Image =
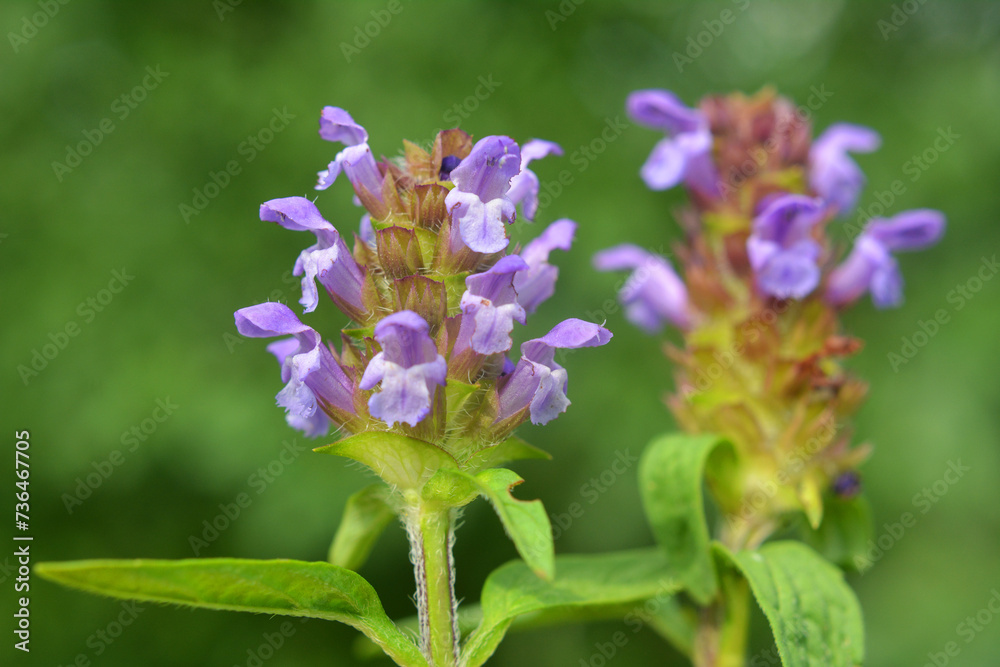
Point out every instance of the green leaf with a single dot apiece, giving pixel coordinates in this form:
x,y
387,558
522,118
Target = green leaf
x,y
511,449
366,515
288,587
813,613
403,462
598,581
843,535
670,480
526,522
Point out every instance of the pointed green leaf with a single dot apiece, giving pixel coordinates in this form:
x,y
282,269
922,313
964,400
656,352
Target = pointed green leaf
x,y
403,462
583,582
670,480
366,515
288,587
526,522
843,536
813,613
511,449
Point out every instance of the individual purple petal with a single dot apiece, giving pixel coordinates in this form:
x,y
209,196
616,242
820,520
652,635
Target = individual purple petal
x,y
490,307
833,175
909,230
408,368
538,382
336,125
478,203
686,153
653,294
315,381
538,283
781,250
871,267
366,232
524,186
329,260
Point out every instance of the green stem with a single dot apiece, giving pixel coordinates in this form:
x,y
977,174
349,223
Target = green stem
x,y
723,626
431,528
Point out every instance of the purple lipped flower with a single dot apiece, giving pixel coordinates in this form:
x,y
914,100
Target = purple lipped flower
x,y
537,382
653,294
329,261
538,283
524,186
356,160
833,175
686,152
490,307
871,267
409,367
316,384
478,203
781,249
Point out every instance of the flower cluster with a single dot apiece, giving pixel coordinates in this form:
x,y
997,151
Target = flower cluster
x,y
762,285
431,291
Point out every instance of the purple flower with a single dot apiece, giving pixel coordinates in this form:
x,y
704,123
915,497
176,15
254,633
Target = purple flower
x,y
538,383
871,266
408,367
781,249
832,174
538,283
524,186
478,203
315,381
653,294
356,160
490,307
329,260
686,153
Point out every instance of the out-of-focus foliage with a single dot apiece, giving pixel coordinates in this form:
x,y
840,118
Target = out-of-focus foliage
x,y
242,90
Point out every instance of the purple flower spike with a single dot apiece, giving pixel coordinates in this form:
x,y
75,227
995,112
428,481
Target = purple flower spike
x,y
654,293
490,307
329,261
315,381
478,203
833,175
538,283
408,367
524,186
686,154
538,382
871,266
781,249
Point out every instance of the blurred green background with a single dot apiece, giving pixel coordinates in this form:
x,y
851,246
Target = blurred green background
x,y
559,71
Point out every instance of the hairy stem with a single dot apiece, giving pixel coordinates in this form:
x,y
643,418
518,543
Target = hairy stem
x,y
431,530
723,625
